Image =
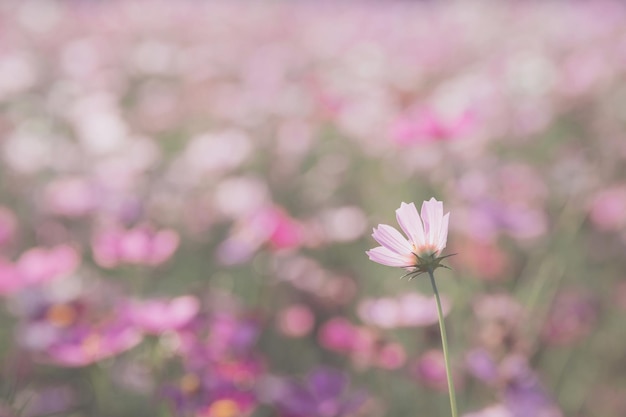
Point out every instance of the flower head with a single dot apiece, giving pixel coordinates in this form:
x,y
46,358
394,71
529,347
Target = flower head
x,y
326,392
427,236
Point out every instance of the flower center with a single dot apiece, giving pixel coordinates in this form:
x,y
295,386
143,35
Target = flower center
x,y
189,383
425,250
61,315
222,408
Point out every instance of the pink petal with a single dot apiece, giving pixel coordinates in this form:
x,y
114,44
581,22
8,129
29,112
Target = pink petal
x,y
443,233
164,244
390,238
411,224
432,214
387,257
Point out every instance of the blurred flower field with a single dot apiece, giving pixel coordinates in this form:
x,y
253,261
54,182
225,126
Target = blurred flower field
x,y
188,189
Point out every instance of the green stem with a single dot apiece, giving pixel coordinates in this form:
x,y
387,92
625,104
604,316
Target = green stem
x,y
444,343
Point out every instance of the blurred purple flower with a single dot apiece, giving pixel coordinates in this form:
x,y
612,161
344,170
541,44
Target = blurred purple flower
x,y
571,318
50,400
231,334
521,393
487,218
324,393
524,394
481,365
222,369
207,395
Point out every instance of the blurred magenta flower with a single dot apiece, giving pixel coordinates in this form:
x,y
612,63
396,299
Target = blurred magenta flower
x,y
222,368
203,394
337,334
427,238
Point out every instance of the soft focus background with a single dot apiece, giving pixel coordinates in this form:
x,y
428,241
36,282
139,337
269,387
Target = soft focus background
x,y
187,192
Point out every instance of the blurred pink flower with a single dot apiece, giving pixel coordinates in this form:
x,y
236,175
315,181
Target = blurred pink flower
x,y
286,231
571,319
269,225
391,356
485,260
523,393
496,410
337,334
408,310
430,369
157,316
140,245
428,126
608,209
419,310
37,266
296,320
427,237
71,197
87,346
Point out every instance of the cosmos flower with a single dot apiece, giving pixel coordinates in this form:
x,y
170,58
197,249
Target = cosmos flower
x,y
326,392
160,315
83,346
138,246
427,236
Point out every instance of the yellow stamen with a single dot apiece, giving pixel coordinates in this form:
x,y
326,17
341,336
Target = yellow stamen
x,y
189,383
61,315
222,408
